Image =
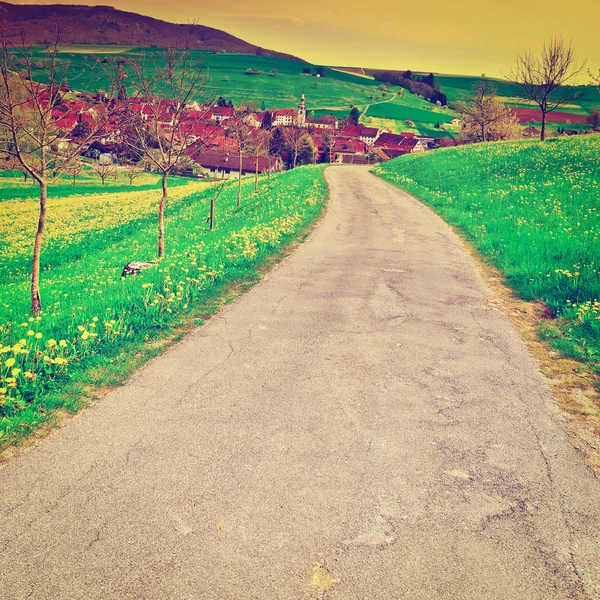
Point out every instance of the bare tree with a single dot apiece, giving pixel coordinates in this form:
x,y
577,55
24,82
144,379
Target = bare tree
x,y
28,132
297,140
240,132
104,167
259,146
548,79
156,120
217,189
74,170
132,171
485,117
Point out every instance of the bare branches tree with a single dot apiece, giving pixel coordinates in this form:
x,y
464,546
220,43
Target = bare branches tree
x,y
217,189
156,120
485,117
132,171
28,132
548,79
259,146
104,167
298,141
239,131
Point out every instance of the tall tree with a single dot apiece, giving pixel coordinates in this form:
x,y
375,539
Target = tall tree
x,y
299,144
156,120
354,116
548,79
28,131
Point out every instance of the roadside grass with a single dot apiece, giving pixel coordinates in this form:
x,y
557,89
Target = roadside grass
x,y
533,210
96,327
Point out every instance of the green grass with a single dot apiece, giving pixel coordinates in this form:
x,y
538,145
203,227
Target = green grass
x,y
533,210
95,325
13,186
227,72
396,110
454,86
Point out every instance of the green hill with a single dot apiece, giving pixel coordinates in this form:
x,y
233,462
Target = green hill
x,y
533,210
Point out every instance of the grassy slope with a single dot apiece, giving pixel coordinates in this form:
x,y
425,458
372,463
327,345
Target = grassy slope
x,y
102,320
456,85
533,209
335,92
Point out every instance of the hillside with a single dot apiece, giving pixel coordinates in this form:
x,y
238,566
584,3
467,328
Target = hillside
x,y
105,25
531,208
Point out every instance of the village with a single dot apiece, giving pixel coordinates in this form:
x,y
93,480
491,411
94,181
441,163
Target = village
x,y
220,139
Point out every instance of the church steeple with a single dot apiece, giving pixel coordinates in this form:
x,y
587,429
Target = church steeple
x,y
302,111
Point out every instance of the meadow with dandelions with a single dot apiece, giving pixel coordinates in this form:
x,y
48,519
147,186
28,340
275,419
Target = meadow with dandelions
x,y
531,208
93,320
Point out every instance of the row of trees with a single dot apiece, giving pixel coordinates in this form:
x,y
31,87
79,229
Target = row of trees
x,y
31,140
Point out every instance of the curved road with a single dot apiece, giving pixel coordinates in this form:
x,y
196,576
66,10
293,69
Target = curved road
x,y
362,425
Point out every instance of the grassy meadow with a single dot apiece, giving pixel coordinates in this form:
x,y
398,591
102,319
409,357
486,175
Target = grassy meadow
x,y
335,93
533,210
94,323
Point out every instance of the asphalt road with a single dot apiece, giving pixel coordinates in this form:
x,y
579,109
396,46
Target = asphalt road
x,y
364,424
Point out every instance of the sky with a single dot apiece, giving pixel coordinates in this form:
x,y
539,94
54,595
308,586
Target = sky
x,y
468,37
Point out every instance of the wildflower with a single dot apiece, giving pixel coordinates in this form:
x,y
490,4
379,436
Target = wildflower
x,y
29,375
62,343
80,327
38,335
51,343
15,372
30,333
85,335
9,362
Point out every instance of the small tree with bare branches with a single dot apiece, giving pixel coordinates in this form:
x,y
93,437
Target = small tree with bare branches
x,y
240,132
28,131
104,167
156,120
485,117
259,146
548,79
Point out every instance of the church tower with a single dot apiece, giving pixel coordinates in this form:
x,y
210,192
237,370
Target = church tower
x,y
302,111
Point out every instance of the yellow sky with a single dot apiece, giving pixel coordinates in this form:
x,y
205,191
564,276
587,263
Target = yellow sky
x,y
450,36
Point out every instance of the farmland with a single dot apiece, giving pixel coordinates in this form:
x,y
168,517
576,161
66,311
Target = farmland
x,y
532,209
94,321
278,84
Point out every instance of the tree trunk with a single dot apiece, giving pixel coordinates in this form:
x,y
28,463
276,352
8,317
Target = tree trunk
x,y
36,303
74,180
543,133
295,159
256,177
161,217
483,134
212,211
239,198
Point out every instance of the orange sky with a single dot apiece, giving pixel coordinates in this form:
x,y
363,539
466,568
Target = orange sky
x,y
450,36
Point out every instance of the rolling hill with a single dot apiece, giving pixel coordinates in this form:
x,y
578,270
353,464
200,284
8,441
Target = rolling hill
x,y
105,25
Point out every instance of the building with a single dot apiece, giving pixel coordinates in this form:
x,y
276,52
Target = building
x,y
286,117
301,119
222,164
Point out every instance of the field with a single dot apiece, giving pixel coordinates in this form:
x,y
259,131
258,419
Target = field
x,y
533,209
454,86
335,93
95,324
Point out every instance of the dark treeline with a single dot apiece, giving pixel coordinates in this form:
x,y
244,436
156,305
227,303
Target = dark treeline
x,y
425,86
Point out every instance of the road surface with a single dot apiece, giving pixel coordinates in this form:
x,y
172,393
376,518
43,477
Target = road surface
x,y
362,425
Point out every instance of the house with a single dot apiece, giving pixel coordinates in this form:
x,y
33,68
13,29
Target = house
x,y
367,134
255,120
285,117
221,113
222,164
394,144
326,122
348,147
